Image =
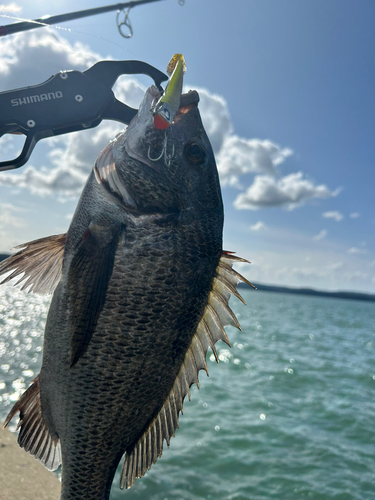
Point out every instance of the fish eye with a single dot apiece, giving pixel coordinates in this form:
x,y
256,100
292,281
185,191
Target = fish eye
x,y
195,153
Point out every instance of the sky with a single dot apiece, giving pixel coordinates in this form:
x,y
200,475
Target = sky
x,y
287,99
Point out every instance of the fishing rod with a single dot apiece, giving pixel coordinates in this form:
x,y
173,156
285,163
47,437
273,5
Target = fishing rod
x,y
31,24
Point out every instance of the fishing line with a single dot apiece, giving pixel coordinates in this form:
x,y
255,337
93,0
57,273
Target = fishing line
x,y
54,21
34,22
69,30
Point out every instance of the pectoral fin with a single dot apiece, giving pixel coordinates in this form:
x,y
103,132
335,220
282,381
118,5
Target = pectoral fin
x,y
39,263
89,275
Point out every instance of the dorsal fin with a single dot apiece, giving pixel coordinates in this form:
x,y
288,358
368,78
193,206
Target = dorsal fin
x,y
217,314
39,263
34,435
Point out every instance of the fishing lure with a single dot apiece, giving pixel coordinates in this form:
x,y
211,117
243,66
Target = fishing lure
x,y
167,106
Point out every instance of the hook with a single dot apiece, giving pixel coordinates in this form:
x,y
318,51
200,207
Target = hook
x,y
126,22
167,158
154,159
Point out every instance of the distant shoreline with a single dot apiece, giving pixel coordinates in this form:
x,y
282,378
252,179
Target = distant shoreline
x,y
299,291
310,291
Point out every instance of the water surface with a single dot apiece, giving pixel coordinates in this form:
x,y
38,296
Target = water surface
x,y
288,413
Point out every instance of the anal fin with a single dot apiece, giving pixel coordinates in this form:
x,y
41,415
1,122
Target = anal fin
x,y
34,434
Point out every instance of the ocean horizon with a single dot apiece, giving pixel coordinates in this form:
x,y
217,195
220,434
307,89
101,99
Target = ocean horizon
x,y
267,287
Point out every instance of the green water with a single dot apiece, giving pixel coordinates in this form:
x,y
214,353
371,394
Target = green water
x,y
288,413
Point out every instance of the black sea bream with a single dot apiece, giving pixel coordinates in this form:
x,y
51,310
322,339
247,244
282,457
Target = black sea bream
x,y
141,288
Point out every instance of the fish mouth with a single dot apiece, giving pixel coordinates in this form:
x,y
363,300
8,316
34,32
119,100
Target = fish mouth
x,y
144,120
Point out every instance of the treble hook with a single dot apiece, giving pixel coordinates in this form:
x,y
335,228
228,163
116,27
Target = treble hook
x,y
167,158
126,22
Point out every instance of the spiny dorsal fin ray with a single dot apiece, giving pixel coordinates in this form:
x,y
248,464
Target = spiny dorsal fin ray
x,y
34,435
39,263
217,314
230,257
232,275
225,288
222,309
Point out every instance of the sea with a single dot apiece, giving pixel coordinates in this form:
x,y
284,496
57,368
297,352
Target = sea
x,y
288,413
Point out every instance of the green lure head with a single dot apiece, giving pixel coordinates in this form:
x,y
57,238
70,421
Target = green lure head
x,y
167,106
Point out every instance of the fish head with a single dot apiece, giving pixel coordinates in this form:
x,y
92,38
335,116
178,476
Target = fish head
x,y
153,170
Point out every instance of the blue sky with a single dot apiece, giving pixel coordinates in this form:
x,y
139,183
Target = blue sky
x,y
287,97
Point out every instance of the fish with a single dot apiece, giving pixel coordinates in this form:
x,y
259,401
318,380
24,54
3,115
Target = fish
x,y
140,287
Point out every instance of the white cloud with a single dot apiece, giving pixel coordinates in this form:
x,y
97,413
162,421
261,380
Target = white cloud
x,y
236,156
335,265
10,7
258,226
321,235
356,250
355,215
11,146
239,156
72,156
215,117
358,276
337,216
19,52
45,182
288,192
7,217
